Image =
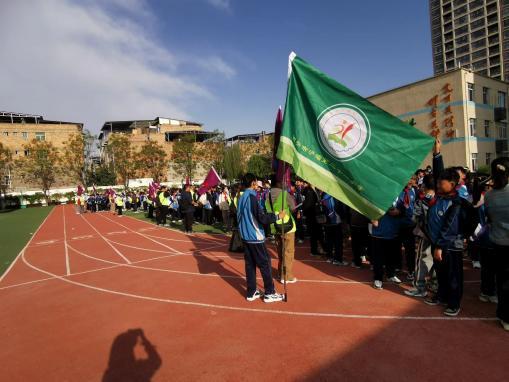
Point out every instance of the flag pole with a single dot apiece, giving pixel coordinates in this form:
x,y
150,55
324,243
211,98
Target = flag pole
x,y
283,234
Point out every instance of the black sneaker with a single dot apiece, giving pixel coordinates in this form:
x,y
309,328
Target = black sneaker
x,y
451,312
433,301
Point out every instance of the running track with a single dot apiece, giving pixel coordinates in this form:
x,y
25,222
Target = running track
x,y
83,280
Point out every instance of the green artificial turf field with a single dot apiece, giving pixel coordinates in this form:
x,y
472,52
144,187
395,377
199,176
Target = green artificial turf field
x,y
16,228
216,228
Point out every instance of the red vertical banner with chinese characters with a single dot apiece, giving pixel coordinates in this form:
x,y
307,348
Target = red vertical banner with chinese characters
x,y
433,103
448,117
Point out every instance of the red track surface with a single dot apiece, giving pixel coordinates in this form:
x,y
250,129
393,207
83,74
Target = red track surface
x,y
85,279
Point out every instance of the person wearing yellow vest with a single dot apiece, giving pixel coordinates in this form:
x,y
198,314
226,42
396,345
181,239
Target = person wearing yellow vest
x,y
164,203
277,201
119,202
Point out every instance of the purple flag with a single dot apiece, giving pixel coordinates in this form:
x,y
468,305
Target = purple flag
x,y
210,181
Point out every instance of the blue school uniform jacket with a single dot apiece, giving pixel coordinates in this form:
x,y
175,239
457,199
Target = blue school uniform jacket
x,y
252,218
445,223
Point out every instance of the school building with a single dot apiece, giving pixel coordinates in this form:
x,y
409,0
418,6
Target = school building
x,y
18,129
468,111
164,131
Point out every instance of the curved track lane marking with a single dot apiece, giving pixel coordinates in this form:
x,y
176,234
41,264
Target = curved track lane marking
x,y
255,310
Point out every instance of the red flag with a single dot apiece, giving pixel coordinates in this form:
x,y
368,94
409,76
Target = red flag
x,y
210,181
188,181
80,190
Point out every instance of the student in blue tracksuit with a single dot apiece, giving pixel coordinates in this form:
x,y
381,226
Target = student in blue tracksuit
x,y
446,225
384,247
251,219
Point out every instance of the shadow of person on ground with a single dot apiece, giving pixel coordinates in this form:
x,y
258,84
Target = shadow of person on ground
x,y
207,265
132,358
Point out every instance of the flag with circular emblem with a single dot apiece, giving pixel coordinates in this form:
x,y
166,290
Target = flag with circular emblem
x,y
345,145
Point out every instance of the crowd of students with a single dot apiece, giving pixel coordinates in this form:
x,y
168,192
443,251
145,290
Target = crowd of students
x,y
442,217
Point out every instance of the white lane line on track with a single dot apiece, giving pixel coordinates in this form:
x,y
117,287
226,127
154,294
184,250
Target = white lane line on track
x,y
107,242
155,227
141,234
190,253
254,310
67,265
115,265
186,241
26,246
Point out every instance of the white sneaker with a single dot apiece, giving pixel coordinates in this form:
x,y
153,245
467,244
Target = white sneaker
x,y
505,325
476,264
395,280
256,294
300,241
486,298
378,284
292,281
275,297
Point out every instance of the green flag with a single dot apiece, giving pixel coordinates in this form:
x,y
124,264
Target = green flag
x,y
343,144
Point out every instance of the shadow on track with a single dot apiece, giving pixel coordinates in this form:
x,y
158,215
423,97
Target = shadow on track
x,y
133,358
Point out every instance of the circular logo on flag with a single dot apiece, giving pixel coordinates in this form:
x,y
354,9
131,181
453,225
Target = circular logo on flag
x,y
344,131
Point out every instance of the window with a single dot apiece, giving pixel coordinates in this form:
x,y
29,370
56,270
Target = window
x,y
14,133
487,128
40,136
463,60
477,13
474,161
460,11
5,133
24,135
462,49
479,54
488,159
485,96
470,91
477,24
471,125
501,99
26,152
502,131
478,34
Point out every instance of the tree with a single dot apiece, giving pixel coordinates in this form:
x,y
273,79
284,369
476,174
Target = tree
x,y
120,150
76,157
5,169
232,163
259,165
184,155
152,160
40,166
102,175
